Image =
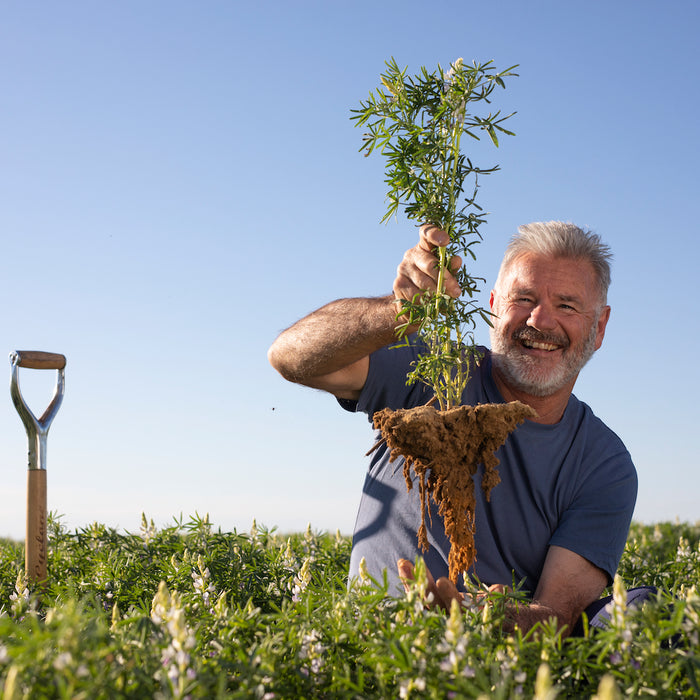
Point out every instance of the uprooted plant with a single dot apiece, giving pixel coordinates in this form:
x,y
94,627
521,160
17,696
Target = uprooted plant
x,y
417,123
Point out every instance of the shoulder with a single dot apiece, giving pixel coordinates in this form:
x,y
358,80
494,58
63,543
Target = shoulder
x,y
602,497
600,438
605,460
386,385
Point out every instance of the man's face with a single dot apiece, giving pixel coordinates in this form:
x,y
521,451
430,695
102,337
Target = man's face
x,y
549,321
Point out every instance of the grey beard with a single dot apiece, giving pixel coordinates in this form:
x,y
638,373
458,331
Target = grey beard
x,y
522,372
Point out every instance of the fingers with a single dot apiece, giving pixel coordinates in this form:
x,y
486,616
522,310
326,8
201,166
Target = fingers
x,y
406,574
432,237
441,592
418,271
447,592
454,263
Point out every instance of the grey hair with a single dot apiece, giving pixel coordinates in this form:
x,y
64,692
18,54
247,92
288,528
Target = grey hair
x,y
557,239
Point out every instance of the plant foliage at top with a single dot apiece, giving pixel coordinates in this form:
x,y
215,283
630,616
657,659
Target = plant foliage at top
x,y
417,123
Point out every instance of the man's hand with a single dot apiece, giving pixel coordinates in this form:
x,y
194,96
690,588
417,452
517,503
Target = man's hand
x,y
417,272
568,584
442,592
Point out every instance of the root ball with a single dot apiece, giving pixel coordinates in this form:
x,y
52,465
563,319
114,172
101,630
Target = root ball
x,y
444,449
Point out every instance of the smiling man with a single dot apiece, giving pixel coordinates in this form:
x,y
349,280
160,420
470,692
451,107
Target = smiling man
x,y
550,313
558,521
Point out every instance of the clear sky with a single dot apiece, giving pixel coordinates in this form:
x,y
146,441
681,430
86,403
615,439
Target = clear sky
x,y
179,181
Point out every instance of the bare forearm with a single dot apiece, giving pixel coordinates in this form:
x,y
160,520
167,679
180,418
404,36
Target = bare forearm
x,y
527,615
334,337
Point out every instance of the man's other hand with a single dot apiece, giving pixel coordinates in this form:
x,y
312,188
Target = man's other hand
x,y
442,592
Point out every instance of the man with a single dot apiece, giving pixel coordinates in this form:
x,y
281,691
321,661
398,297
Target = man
x,y
559,519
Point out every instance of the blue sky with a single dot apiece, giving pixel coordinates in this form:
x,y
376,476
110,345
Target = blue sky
x,y
180,181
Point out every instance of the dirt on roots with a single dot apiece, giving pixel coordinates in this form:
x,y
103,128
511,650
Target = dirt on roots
x,y
444,449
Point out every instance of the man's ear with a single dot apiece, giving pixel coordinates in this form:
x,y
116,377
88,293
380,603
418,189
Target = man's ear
x,y
492,298
602,323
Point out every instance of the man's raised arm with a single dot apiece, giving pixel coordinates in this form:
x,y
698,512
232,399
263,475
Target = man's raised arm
x,y
329,349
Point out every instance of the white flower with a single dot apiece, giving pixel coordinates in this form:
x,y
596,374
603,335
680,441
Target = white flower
x,y
288,558
405,687
449,664
301,580
148,529
543,684
166,610
607,689
683,551
313,651
62,661
20,597
202,583
455,624
454,68
364,572
618,607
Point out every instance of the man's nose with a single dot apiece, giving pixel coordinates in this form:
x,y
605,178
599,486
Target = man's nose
x,y
542,317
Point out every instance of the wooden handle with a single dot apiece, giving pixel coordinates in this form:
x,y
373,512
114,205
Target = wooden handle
x,y
35,359
35,547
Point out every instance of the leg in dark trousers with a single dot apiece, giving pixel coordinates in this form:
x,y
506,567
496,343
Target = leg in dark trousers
x,y
598,612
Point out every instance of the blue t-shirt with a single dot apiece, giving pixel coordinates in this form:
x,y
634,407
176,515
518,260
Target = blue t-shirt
x,y
570,484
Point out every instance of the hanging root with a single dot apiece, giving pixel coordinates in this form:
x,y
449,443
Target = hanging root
x,y
443,449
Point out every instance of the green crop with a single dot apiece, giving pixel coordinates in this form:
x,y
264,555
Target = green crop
x,y
417,123
190,611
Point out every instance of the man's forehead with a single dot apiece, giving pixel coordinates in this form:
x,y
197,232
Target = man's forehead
x,y
572,277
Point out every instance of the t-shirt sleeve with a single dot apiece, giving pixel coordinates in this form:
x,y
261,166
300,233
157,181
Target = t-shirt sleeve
x,y
386,385
597,522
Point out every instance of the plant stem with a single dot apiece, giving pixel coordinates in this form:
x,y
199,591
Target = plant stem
x,y
417,123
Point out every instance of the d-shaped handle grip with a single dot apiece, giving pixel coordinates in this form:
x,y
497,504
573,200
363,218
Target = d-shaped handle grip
x,y
35,359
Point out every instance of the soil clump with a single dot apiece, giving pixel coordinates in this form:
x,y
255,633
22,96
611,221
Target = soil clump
x,y
444,449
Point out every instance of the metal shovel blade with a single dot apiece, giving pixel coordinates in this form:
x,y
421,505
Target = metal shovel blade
x,y
37,432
